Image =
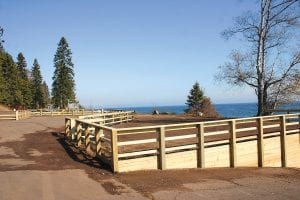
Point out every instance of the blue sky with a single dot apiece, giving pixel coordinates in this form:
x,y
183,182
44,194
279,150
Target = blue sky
x,y
130,52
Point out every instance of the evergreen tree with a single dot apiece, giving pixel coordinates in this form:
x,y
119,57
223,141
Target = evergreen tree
x,y
38,98
63,86
197,102
194,99
46,94
12,91
3,90
24,79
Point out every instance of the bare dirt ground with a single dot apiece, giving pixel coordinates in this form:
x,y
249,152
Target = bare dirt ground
x,y
37,163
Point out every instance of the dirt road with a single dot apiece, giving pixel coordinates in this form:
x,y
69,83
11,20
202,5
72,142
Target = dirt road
x,y
36,163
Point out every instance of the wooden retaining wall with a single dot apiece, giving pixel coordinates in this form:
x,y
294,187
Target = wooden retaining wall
x,y
259,141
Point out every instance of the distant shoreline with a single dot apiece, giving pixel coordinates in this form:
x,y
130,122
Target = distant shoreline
x,y
225,110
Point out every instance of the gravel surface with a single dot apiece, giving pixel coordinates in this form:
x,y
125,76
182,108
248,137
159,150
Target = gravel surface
x,y
37,163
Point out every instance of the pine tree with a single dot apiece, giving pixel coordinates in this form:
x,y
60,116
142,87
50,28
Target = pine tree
x,y
63,86
24,79
3,90
46,94
13,94
38,98
197,102
194,99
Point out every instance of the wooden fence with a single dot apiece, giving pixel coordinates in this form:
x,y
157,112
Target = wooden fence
x,y
63,113
94,133
14,115
256,141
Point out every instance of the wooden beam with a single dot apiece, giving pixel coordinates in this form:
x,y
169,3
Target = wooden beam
x,y
232,142
162,148
260,142
283,141
114,150
200,150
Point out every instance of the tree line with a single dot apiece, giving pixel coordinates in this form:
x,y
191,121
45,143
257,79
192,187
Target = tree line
x,y
24,88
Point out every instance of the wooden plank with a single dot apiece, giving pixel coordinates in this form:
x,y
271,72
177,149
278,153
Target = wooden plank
x,y
246,129
134,142
232,148
272,126
292,123
216,133
181,147
200,150
162,149
114,148
260,142
137,132
180,137
283,142
139,153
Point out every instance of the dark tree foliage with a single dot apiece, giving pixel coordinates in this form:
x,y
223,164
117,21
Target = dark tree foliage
x,y
63,86
46,93
198,103
13,94
38,95
194,99
17,88
25,84
3,89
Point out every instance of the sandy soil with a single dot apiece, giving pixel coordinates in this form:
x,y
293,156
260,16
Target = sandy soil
x,y
37,163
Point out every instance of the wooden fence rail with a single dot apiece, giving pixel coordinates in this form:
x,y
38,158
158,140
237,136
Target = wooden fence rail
x,y
256,141
15,115
64,113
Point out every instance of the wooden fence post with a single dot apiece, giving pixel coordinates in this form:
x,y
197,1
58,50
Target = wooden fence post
x,y
78,134
162,149
67,127
88,140
260,142
200,150
114,150
17,115
283,141
232,146
98,134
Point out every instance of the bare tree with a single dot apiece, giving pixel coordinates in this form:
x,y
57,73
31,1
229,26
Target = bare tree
x,y
270,66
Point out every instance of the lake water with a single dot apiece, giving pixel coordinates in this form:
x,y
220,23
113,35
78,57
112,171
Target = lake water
x,y
225,110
